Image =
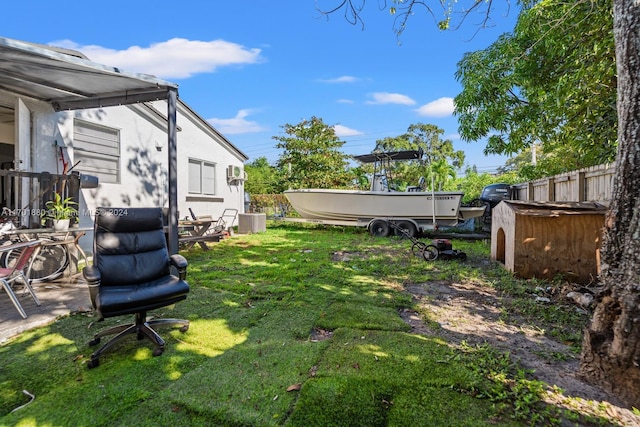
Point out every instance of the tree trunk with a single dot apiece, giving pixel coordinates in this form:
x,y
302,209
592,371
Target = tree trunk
x,y
611,348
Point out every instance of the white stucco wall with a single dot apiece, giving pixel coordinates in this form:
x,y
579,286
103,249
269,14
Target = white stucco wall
x,y
199,141
143,168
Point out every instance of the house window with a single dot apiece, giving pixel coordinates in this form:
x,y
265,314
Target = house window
x,y
97,148
202,177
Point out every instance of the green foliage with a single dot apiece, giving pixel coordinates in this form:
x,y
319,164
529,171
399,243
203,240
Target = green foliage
x,y
262,177
311,156
59,208
473,183
271,204
552,80
440,159
508,386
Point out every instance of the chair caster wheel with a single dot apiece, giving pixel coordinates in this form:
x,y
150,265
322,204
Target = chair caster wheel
x,y
184,328
158,351
94,341
93,363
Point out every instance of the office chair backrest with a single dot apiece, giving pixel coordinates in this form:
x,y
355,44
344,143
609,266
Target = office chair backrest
x,y
130,244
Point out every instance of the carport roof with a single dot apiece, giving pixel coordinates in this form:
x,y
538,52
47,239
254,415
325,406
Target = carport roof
x,y
69,81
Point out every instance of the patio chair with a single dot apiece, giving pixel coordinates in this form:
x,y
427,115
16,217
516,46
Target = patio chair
x,y
17,271
132,274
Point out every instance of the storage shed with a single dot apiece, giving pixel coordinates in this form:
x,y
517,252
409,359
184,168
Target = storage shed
x,y
545,239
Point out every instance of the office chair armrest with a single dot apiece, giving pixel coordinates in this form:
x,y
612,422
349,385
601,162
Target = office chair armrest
x,y
93,276
180,263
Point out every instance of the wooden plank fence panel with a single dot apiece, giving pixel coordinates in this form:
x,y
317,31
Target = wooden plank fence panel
x,y
593,184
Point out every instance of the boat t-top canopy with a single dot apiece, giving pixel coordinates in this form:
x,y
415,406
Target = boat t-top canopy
x,y
389,156
382,170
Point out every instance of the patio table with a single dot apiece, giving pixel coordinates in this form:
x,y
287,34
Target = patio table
x,y
195,231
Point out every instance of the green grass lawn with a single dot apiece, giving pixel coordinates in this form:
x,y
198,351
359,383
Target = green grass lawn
x,y
283,332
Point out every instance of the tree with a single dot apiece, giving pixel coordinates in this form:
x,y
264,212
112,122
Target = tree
x,y
440,160
611,348
262,177
404,173
546,164
472,183
551,82
311,156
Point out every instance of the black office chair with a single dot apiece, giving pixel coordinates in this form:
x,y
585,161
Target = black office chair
x,y
131,274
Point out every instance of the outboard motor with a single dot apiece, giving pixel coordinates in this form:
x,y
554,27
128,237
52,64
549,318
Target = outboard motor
x,y
492,195
495,193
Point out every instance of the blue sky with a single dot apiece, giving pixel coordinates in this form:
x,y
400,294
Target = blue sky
x,y
249,67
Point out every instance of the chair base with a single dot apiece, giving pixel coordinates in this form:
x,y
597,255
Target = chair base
x,y
142,328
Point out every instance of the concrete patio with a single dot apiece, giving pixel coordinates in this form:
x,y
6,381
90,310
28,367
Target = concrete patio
x,y
58,298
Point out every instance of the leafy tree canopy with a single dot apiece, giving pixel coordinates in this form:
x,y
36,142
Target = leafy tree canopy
x,y
472,183
440,160
311,156
262,177
551,81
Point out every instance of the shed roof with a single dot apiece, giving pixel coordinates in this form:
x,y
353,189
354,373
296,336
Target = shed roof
x,y
552,209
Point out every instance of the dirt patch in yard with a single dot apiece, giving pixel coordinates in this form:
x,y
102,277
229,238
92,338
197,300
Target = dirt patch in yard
x,y
471,313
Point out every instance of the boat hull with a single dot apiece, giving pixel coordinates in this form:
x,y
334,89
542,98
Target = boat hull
x,y
350,205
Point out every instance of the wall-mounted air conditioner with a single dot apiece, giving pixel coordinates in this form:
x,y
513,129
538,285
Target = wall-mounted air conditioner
x,y
234,173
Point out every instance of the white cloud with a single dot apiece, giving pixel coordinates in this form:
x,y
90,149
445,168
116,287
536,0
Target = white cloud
x,y
177,58
344,101
341,79
441,107
342,131
236,125
390,98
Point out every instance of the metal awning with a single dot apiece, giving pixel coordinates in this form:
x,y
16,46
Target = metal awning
x,y
69,81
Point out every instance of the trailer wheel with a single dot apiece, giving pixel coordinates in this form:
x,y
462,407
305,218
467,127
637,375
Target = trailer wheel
x,y
430,253
409,228
379,228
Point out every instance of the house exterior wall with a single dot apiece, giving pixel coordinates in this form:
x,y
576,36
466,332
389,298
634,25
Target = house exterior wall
x,y
143,171
199,141
143,155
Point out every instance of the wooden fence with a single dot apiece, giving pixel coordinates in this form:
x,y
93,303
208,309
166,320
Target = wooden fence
x,y
593,184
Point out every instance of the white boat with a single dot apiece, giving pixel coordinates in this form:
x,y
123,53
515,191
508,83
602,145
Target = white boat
x,y
352,205
422,209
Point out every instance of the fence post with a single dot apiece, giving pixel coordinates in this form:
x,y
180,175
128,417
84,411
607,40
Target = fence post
x,y
580,186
